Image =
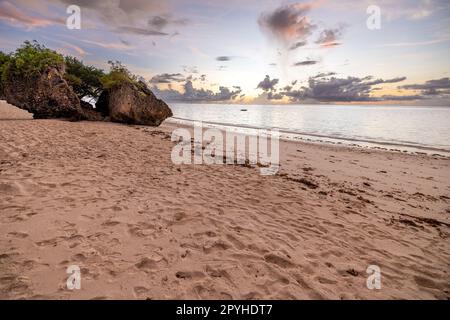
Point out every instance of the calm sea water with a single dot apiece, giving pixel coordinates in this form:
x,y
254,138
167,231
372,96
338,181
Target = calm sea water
x,y
400,127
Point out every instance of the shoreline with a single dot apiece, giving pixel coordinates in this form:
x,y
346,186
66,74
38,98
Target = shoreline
x,y
107,198
17,114
316,138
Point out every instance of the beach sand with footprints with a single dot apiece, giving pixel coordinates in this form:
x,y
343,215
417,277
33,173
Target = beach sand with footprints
x,y
108,198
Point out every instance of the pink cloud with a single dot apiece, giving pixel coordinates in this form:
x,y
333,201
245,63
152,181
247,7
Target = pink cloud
x,y
13,15
288,22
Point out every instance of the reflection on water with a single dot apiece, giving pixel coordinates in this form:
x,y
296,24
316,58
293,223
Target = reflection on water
x,y
427,127
399,125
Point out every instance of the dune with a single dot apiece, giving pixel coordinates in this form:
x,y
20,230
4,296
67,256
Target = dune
x,y
106,197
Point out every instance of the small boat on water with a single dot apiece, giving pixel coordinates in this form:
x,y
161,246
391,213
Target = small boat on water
x,y
243,109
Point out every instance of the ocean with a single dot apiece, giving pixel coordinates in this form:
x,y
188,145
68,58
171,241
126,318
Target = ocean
x,y
405,128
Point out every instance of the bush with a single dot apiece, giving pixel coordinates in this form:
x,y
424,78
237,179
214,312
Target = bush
x,y
118,75
30,59
4,58
85,80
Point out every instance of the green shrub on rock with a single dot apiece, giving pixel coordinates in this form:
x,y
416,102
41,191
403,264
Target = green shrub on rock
x,y
118,75
30,60
85,80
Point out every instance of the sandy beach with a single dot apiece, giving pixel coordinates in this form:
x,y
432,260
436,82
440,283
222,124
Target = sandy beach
x,y
108,198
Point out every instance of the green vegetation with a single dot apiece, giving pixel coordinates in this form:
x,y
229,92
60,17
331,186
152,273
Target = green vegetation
x,y
118,75
85,80
29,60
33,58
4,58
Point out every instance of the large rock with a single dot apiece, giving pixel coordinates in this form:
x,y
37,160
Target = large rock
x,y
48,95
45,95
133,103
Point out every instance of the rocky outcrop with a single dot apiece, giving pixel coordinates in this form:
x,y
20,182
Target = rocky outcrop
x,y
45,95
90,113
132,103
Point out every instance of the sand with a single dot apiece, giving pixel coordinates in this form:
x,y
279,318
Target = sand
x,y
107,197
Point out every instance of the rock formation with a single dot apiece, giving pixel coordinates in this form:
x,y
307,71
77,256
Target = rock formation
x,y
89,113
45,95
48,95
134,103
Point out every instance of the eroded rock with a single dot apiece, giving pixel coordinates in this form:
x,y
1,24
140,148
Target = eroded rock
x,y
45,95
133,103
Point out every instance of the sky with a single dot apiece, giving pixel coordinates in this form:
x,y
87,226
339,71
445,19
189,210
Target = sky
x,y
254,51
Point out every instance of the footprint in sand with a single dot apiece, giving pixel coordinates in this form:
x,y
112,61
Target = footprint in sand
x,y
426,282
14,286
325,280
189,275
11,188
140,292
215,245
204,292
278,260
47,243
110,223
20,235
153,261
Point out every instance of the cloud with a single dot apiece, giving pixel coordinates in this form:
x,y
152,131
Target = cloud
x,y
329,37
161,22
431,87
400,98
297,45
14,15
190,69
274,96
321,88
140,31
305,63
350,89
324,75
137,17
192,94
334,89
122,45
287,23
158,22
414,10
223,58
445,38
379,81
267,84
73,48
199,52
167,78
443,83
134,6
